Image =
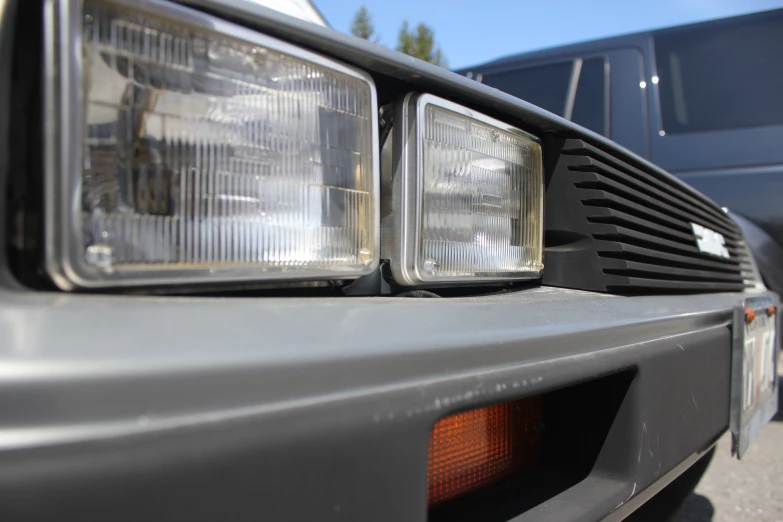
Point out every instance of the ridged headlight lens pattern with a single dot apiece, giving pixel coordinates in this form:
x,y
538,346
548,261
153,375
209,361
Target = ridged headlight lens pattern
x,y
481,198
466,200
203,150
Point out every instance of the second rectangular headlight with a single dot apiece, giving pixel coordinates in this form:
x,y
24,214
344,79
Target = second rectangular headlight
x,y
189,149
467,197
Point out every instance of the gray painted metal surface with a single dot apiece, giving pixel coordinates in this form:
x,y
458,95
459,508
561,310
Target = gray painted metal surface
x,y
183,405
224,354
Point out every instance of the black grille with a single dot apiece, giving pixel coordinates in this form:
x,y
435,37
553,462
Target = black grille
x,y
614,227
749,271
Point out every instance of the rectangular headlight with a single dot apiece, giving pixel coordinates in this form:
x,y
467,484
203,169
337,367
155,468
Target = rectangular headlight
x,y
467,197
190,149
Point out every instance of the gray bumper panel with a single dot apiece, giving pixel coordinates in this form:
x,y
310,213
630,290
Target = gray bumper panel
x,y
142,408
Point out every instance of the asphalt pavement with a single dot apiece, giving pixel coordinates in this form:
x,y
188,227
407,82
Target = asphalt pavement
x,y
746,490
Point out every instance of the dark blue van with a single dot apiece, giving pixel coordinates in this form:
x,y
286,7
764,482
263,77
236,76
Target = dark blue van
x,y
703,101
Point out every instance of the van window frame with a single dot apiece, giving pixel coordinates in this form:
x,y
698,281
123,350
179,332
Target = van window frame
x,y
574,87
712,26
576,63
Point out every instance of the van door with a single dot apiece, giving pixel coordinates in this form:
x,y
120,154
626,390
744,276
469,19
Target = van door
x,y
628,109
544,84
717,112
598,90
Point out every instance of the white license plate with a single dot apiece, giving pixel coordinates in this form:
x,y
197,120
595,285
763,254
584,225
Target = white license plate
x,y
754,379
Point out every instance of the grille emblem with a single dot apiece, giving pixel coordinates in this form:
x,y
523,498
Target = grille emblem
x,y
709,241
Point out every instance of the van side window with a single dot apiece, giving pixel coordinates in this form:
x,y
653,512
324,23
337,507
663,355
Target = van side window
x,y
590,101
724,76
545,86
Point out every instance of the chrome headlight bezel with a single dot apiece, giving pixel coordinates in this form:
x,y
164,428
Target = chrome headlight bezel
x,y
64,138
402,223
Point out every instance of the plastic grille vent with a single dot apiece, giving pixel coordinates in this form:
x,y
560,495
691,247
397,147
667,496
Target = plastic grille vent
x,y
616,227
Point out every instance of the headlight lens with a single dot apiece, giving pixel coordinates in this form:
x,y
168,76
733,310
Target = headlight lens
x,y
194,149
467,198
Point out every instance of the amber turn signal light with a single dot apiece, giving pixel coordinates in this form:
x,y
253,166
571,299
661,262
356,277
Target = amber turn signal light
x,y
475,448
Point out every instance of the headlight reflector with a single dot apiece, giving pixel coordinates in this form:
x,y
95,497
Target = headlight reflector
x,y
194,149
467,197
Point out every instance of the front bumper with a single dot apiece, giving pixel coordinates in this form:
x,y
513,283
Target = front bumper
x,y
142,408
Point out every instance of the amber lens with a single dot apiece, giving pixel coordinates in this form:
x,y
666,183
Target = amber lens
x,y
478,447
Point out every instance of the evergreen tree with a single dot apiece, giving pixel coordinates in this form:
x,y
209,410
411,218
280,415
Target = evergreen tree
x,y
420,43
362,25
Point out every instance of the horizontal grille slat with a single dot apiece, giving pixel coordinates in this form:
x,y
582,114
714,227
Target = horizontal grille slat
x,y
639,222
748,270
628,236
641,285
610,216
687,195
652,256
625,192
603,199
644,270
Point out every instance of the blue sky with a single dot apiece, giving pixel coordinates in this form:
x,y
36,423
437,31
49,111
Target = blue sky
x,y
473,31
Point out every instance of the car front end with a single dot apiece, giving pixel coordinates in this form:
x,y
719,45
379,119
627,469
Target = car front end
x,y
258,269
